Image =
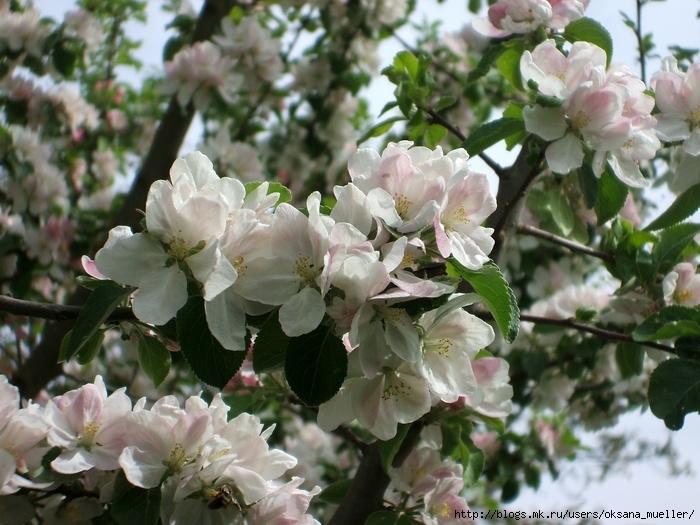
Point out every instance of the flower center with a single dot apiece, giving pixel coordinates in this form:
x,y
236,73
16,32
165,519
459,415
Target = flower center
x,y
580,120
402,204
440,346
177,248
394,387
303,269
694,118
178,458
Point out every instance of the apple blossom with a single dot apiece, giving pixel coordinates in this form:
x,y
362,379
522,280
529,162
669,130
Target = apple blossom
x,y
88,426
678,99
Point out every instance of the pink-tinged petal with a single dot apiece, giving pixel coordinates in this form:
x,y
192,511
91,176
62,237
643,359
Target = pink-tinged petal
x,y
142,468
212,269
126,257
383,207
366,397
627,171
352,207
91,268
74,461
362,163
692,144
302,313
160,295
669,91
160,211
336,411
483,26
194,167
193,430
201,218
565,154
226,320
672,127
7,468
547,123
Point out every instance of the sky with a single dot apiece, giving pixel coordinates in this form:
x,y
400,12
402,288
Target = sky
x,y
643,486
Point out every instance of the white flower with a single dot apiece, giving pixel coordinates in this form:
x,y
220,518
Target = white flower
x,y
449,344
89,426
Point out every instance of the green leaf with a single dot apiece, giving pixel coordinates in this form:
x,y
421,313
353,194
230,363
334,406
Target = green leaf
x,y
683,207
89,350
408,62
490,284
668,323
509,64
561,211
335,492
388,449
270,346
134,504
285,194
674,391
154,359
434,135
64,60
386,517
490,133
672,242
612,194
445,101
98,306
589,185
630,359
490,56
688,347
588,30
316,365
475,465
379,129
210,362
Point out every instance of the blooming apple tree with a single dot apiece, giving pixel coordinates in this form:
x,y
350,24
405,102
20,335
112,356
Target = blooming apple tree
x,y
288,325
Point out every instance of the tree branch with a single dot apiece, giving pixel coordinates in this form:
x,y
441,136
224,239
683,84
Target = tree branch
x,y
42,365
594,330
512,189
439,119
55,312
526,229
366,492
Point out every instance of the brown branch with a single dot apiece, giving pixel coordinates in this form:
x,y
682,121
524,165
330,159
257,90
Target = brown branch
x,y
55,312
526,229
512,189
439,119
42,365
594,330
366,492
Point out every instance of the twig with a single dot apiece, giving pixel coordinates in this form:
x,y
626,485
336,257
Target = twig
x,y
513,187
55,312
366,492
526,229
640,41
439,119
594,330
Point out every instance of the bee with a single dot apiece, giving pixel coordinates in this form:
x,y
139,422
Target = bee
x,y
222,497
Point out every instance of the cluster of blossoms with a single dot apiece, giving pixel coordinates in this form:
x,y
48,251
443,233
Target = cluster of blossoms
x,y
678,99
209,469
242,57
405,210
430,484
507,17
591,108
